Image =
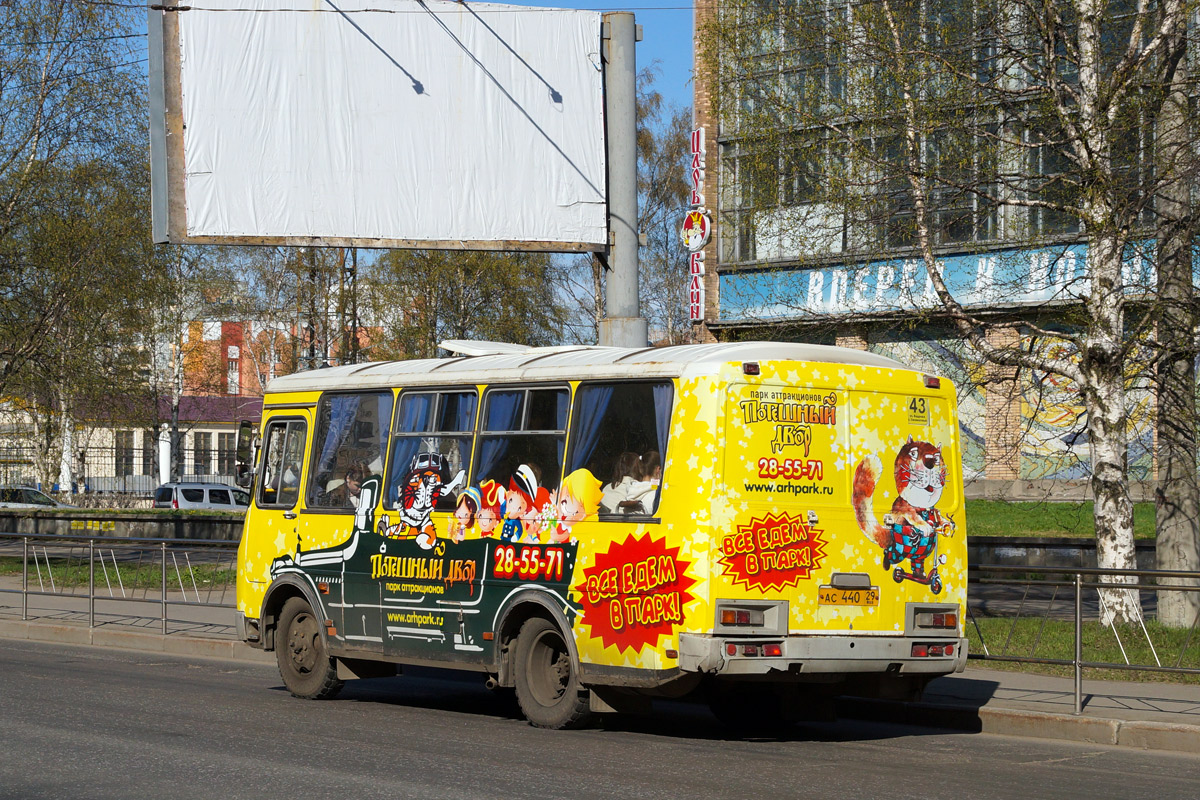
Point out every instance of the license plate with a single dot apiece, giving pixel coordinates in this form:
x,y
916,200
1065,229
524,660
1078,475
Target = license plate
x,y
829,596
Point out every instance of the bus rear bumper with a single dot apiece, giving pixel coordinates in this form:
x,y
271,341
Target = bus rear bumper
x,y
821,655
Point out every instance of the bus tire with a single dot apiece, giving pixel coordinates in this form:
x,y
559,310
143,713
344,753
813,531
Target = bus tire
x,y
547,679
305,665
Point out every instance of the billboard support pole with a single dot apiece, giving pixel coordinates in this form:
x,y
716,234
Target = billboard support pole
x,y
622,325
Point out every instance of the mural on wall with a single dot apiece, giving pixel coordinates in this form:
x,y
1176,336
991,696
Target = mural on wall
x,y
951,358
1055,443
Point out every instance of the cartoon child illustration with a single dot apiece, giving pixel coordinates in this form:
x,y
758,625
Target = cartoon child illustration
x,y
910,531
518,502
578,498
422,488
466,511
537,520
491,507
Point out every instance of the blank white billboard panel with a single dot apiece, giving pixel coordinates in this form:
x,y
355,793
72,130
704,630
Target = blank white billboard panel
x,y
378,123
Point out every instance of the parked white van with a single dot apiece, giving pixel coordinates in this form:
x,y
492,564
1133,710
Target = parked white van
x,y
210,496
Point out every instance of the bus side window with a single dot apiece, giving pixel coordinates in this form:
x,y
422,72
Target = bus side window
x,y
283,459
433,430
348,447
524,428
619,435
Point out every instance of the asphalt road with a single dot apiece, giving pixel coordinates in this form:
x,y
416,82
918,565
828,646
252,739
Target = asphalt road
x,y
90,723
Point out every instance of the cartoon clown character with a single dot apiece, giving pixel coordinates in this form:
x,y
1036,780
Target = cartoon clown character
x,y
518,502
694,231
578,498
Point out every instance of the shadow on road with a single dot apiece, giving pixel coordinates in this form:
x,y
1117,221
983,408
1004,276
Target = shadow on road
x,y
687,718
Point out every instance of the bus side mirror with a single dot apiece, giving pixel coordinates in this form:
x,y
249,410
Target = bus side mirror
x,y
244,466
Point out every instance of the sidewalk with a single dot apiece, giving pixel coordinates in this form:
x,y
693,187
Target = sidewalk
x,y
1147,715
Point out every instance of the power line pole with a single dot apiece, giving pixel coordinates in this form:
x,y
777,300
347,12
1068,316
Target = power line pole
x,y
622,326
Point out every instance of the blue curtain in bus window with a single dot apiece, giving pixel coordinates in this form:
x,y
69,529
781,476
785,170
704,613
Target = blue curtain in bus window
x,y
414,413
458,412
403,450
662,415
563,405
342,411
593,404
491,452
504,411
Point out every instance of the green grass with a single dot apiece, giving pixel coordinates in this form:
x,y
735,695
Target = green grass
x,y
1052,638
73,574
998,518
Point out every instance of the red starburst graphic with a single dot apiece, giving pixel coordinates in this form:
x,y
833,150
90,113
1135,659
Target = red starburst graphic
x,y
635,592
773,552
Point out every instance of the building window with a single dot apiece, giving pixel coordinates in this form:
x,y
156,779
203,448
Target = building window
x,y
202,453
150,453
124,453
226,453
233,381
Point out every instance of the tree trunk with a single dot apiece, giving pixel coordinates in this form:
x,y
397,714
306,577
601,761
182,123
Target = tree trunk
x,y
1104,391
1177,496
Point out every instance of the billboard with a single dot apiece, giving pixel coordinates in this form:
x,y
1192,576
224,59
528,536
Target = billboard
x,y
377,123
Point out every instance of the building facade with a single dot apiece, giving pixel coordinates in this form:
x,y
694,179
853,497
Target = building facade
x,y
821,223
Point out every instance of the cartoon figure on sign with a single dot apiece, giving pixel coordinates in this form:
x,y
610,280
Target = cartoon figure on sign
x,y
518,502
910,531
422,488
695,230
578,498
466,511
491,507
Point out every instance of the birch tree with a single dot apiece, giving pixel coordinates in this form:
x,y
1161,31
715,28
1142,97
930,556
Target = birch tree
x,y
920,129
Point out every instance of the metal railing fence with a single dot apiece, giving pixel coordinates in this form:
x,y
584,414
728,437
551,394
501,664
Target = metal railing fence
x,y
1029,614
171,572
1021,614
119,470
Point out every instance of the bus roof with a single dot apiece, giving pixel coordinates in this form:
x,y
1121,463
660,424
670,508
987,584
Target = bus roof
x,y
496,362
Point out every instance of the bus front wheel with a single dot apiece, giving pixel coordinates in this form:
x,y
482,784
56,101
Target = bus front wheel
x,y
547,680
304,664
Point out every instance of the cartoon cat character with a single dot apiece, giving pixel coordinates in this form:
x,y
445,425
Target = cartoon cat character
x,y
910,531
419,494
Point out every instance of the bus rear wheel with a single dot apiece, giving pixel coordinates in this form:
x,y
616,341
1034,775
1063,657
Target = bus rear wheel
x,y
547,680
304,664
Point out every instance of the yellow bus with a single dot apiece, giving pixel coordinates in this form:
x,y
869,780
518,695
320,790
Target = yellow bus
x,y
770,524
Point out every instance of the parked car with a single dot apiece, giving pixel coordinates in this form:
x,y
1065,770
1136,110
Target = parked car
x,y
28,497
211,496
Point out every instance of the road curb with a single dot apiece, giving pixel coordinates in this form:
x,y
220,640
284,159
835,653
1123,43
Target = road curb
x,y
1138,734
172,644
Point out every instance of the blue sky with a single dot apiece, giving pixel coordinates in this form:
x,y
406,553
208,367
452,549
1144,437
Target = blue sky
x,y
666,38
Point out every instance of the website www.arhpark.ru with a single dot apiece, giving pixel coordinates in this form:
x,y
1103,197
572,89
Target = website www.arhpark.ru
x,y
417,618
788,488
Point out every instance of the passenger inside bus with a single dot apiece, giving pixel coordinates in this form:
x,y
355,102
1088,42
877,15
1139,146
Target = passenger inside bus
x,y
627,490
345,492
